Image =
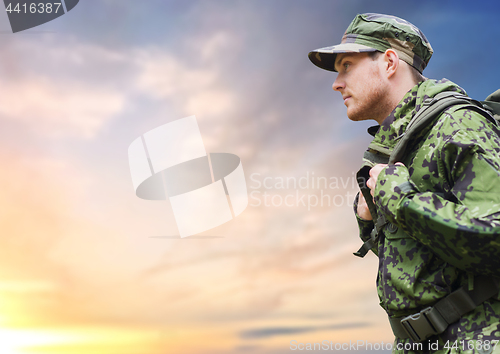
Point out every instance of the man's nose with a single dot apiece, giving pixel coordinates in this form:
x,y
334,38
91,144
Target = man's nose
x,y
338,84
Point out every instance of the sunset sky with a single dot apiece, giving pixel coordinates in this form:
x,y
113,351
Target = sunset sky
x,y
86,267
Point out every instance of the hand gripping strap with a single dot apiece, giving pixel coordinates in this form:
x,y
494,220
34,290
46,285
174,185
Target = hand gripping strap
x,y
374,236
362,177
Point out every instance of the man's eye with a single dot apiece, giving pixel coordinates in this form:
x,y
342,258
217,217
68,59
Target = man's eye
x,y
346,65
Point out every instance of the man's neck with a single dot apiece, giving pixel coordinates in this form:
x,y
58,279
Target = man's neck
x,y
395,97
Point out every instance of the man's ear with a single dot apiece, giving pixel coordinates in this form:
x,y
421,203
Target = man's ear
x,y
391,62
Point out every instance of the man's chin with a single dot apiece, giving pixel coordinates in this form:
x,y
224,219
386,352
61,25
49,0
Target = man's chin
x,y
355,116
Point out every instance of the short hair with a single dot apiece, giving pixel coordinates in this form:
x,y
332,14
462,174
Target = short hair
x,y
416,75
374,55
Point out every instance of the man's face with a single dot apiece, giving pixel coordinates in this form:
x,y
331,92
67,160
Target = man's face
x,y
362,85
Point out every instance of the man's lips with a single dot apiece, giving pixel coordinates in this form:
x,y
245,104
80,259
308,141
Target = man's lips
x,y
346,98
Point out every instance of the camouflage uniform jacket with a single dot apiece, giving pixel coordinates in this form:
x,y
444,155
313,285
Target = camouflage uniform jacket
x,y
448,225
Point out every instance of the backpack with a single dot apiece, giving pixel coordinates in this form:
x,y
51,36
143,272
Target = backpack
x,y
434,319
431,109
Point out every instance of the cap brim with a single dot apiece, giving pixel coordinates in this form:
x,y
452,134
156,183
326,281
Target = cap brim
x,y
325,57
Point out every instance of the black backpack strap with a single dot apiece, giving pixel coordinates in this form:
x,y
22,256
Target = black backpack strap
x,y
430,110
374,236
435,319
362,177
371,158
493,107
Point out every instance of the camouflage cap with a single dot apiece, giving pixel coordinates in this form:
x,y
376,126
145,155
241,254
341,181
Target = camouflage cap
x,y
376,32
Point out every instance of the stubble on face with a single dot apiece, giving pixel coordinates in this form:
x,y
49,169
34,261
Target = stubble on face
x,y
368,95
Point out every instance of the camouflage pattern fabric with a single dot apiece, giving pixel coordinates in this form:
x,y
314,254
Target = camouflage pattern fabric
x,y
377,32
447,226
480,341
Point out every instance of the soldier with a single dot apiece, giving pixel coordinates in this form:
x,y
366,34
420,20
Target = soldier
x,y
432,218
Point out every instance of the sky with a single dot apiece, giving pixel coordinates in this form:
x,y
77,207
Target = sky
x,y
88,267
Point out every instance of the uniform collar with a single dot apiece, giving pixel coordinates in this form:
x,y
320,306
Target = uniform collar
x,y
387,134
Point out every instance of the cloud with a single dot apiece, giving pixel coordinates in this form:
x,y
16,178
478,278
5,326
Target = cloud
x,y
271,255
194,86
36,205
68,88
59,89
278,331
59,108
27,286
88,240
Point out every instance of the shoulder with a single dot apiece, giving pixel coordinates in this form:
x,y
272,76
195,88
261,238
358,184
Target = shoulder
x,y
463,123
459,131
462,131
466,117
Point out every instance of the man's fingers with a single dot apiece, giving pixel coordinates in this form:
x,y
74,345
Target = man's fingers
x,y
363,211
369,183
374,172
